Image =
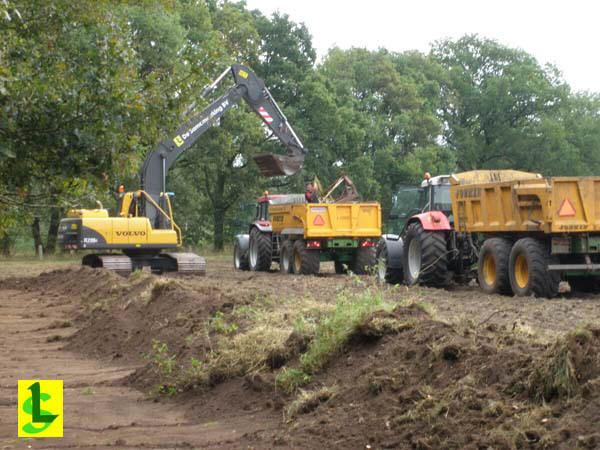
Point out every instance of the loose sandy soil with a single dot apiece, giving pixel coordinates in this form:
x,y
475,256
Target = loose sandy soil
x,y
460,375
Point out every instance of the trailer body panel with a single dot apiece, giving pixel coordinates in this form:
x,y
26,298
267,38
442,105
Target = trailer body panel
x,y
529,204
327,220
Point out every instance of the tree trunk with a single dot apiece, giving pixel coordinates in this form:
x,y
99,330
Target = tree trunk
x,y
219,221
52,237
5,244
36,233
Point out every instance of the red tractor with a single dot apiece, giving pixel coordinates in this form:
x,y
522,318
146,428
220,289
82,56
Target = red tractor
x,y
423,247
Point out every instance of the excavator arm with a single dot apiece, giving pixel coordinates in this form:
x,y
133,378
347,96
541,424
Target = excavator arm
x,y
253,90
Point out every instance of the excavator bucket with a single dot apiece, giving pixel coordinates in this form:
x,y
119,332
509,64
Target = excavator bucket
x,y
271,165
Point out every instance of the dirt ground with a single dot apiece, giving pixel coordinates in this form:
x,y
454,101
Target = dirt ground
x,y
449,369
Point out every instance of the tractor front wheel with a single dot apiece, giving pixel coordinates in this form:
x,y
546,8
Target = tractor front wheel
x,y
384,272
240,262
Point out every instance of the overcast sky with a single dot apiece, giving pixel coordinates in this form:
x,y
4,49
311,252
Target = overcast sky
x,y
564,33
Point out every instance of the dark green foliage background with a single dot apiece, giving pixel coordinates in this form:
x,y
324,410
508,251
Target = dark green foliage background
x,y
88,87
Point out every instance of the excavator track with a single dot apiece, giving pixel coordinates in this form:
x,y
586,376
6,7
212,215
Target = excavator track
x,y
120,264
188,263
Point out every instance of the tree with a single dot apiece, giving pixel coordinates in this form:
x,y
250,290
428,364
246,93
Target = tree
x,y
70,102
369,116
500,108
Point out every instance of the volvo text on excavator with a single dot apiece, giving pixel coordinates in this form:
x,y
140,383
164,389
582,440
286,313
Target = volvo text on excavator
x,y
144,224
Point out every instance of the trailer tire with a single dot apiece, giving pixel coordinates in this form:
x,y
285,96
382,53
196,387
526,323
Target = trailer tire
x,y
492,267
260,250
339,267
425,257
528,269
364,261
386,274
239,261
285,258
305,262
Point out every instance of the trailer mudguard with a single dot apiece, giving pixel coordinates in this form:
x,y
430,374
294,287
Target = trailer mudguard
x,y
433,221
395,250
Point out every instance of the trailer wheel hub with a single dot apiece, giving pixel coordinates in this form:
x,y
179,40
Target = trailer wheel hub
x,y
297,262
521,271
489,270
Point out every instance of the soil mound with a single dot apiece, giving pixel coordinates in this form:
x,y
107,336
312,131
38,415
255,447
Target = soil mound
x,y
403,379
82,282
131,321
424,385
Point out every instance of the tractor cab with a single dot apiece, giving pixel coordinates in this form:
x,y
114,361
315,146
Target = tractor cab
x,y
432,195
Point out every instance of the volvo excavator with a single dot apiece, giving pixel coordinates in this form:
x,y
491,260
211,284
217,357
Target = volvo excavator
x,y
144,224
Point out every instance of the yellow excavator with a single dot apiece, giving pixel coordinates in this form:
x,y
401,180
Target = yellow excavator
x,y
144,224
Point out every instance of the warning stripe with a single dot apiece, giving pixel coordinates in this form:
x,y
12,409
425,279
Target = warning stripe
x,y
265,115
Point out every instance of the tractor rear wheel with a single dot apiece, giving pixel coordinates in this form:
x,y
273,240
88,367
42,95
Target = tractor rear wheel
x,y
305,262
492,268
261,248
384,272
240,262
285,257
425,257
365,259
528,269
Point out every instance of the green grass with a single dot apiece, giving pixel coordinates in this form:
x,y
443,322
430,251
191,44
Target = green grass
x,y
333,332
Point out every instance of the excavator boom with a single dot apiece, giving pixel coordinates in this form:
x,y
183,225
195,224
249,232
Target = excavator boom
x,y
253,90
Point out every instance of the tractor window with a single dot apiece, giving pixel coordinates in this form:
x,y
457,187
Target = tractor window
x,y
441,198
408,201
263,211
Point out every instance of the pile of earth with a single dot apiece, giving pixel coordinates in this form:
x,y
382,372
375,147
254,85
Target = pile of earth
x,y
122,318
404,380
425,385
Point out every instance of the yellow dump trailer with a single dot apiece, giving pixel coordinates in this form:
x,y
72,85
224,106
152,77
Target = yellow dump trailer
x,y
300,235
327,220
533,230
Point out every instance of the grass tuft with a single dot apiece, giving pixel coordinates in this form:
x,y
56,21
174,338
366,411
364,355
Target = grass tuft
x,y
307,401
334,331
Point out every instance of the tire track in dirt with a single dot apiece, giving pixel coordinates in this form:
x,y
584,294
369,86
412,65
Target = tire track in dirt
x,y
99,412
